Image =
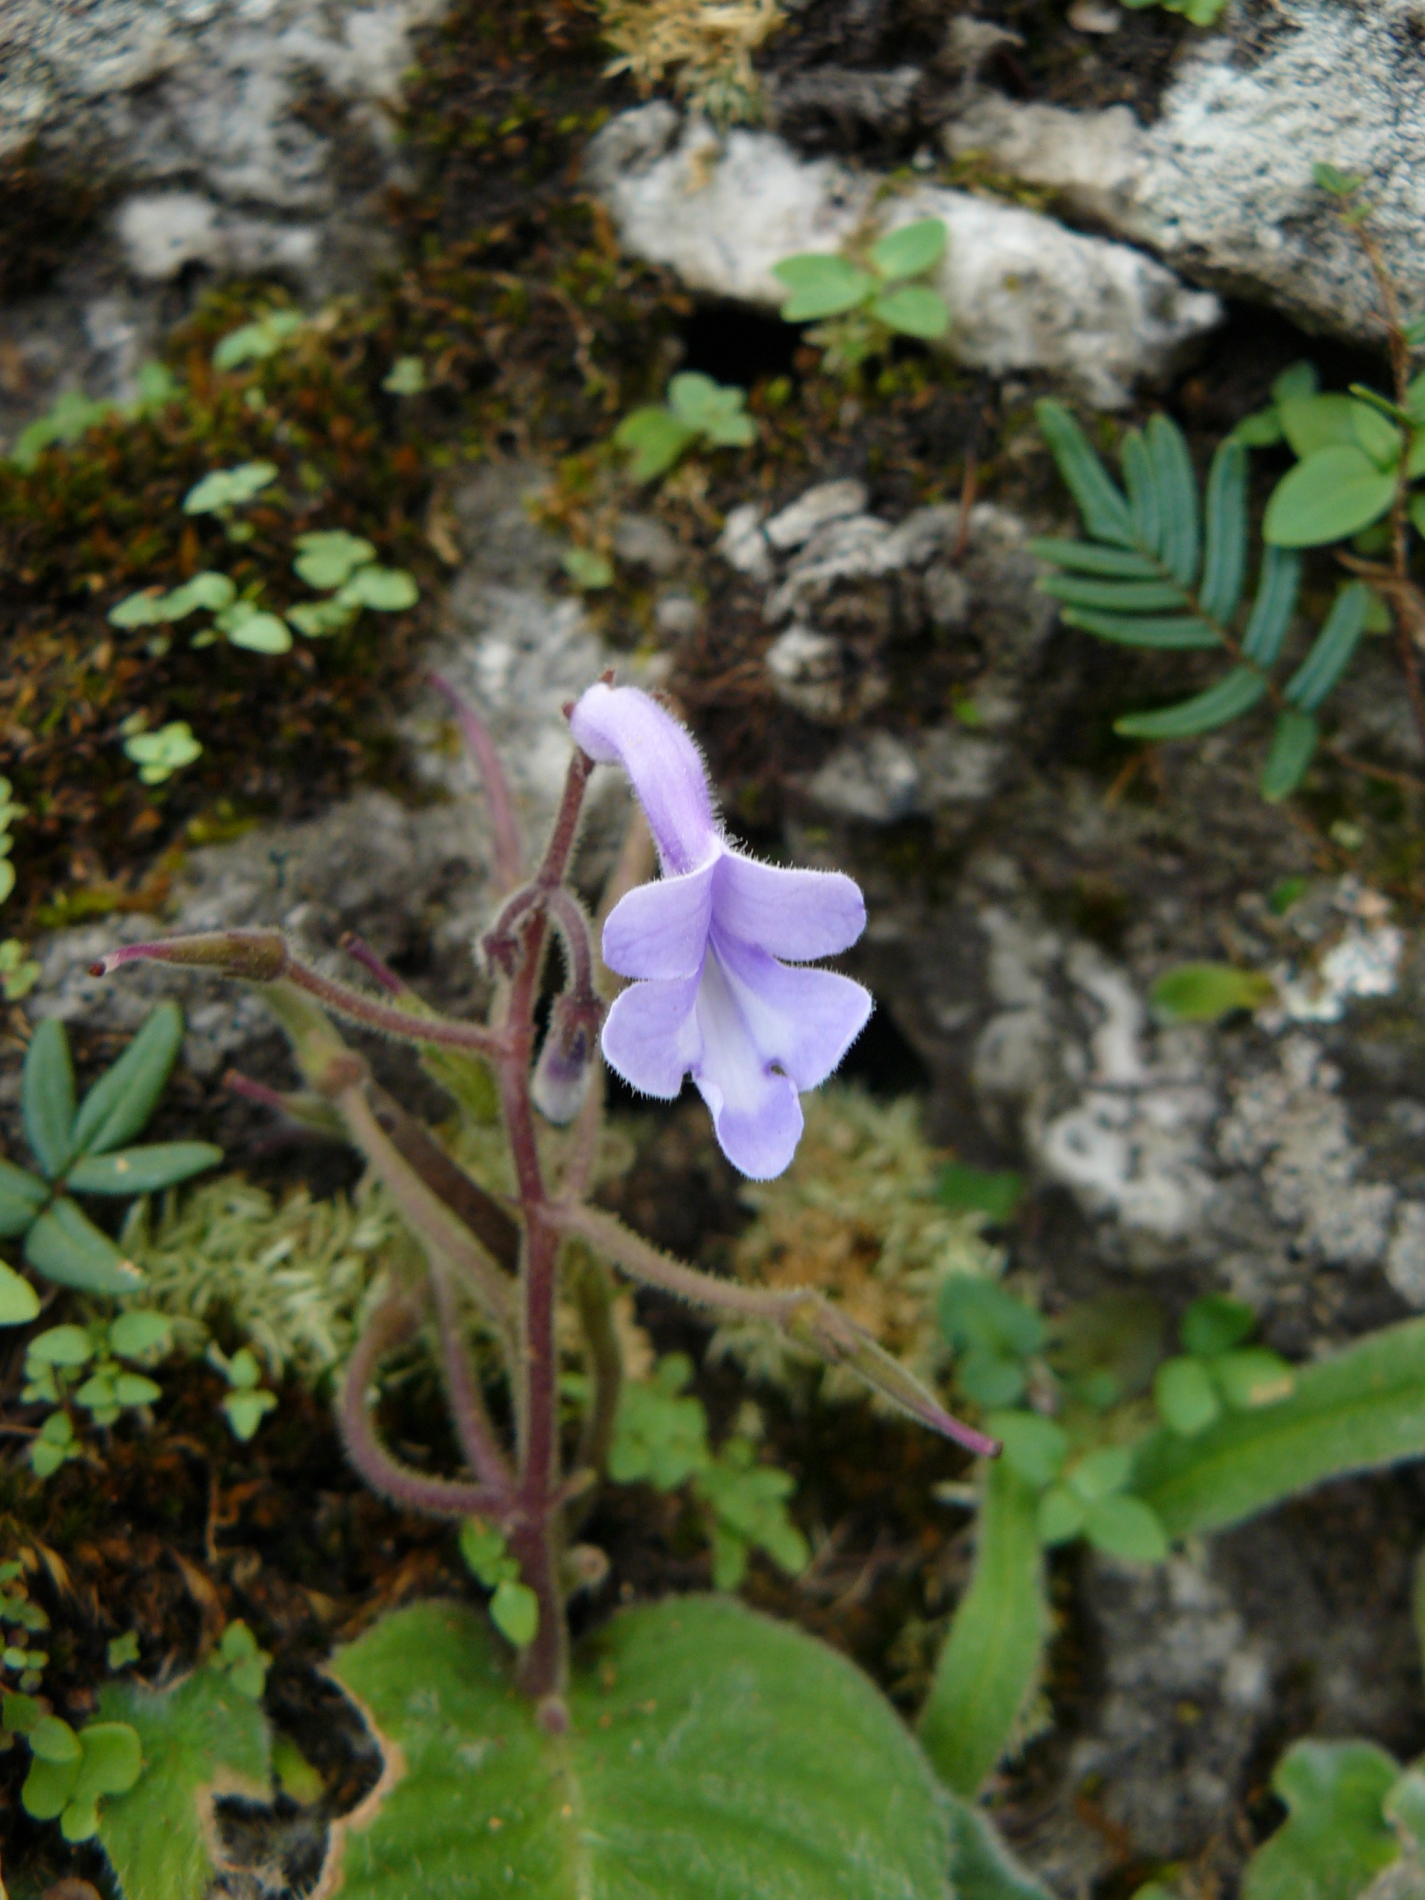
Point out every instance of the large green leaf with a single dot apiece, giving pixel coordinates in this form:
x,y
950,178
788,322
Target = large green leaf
x,y
1235,693
66,1247
1331,651
202,1738
22,1195
126,1094
1311,423
1332,494
142,1170
1354,1410
992,1660
712,1755
47,1097
1336,1838
1101,503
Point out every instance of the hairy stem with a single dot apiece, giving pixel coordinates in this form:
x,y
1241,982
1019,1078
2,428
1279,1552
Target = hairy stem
x,y
505,843
462,1387
594,1296
394,1322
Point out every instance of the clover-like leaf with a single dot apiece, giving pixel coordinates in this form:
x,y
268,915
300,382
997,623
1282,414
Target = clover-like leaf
x,y
1062,1515
160,754
1035,1448
913,311
328,558
1186,1396
227,488
67,1248
911,249
120,1103
316,619
389,590
208,591
257,340
654,438
245,1411
821,286
1126,1527
47,1097
246,625
142,1170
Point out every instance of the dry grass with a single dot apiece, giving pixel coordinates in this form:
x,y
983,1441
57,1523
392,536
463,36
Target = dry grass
x,y
704,46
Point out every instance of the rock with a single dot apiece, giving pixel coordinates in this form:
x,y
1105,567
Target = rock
x,y
743,542
1221,184
1024,293
874,778
643,541
827,502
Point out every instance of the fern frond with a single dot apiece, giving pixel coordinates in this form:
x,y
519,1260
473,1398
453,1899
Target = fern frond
x,y
1161,572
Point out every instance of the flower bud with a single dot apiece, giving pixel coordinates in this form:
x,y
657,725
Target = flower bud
x,y
561,1076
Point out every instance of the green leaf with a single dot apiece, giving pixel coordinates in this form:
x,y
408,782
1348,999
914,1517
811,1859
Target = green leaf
x,y
1175,634
326,559
387,590
126,1094
144,609
1061,1516
1186,1397
160,754
1141,480
61,1346
982,1866
68,1249
47,1097
111,1762
514,1611
821,286
991,1664
973,1311
1114,595
1336,1837
1331,495
1261,430
1405,1806
1292,749
1277,588
315,619
1034,1447
1254,1376
911,249
676,1777
1235,693
406,377
19,1303
991,1376
199,1739
659,1437
1177,489
1126,1528
1311,422
248,627
913,310
588,569
1224,565
228,488
695,399
131,1388
1350,1412
1215,1324
257,340
1380,438
654,438
1086,557
1331,653
1101,503
1102,1472
1206,992
55,1741
48,1788
22,1195
137,1334
209,591
142,1170
1298,379
1340,184
245,1411
996,1195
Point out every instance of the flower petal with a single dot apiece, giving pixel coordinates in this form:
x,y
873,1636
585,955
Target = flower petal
x,y
619,724
755,1111
661,930
803,1020
794,914
652,1036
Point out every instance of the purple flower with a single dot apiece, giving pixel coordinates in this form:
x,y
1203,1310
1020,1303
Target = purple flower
x,y
709,946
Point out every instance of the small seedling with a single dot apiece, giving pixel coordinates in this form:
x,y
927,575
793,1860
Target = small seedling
x,y
258,340
70,1772
406,377
589,570
225,490
241,1661
697,410
21,1621
18,972
9,812
74,414
346,567
158,755
514,1608
1215,1371
1206,992
57,1359
249,1401
858,308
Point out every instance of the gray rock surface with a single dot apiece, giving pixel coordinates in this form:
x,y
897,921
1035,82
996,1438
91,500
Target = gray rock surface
x,y
1221,184
1024,292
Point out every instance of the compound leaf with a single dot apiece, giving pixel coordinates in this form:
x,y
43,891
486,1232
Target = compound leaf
x,y
1101,503
121,1101
1235,693
710,1751
655,438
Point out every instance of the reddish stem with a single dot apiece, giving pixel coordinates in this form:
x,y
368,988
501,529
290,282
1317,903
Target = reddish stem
x,y
504,829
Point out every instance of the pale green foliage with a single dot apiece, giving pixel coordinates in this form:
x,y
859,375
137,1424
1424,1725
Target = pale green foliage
x,y
74,414
9,812
704,1743
862,302
226,489
92,1367
291,1276
1336,1837
1150,576
661,1438
258,340
406,377
1199,12
70,1773
346,565
248,1401
514,1608
589,570
158,755
20,1621
697,410
858,1216
1206,992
